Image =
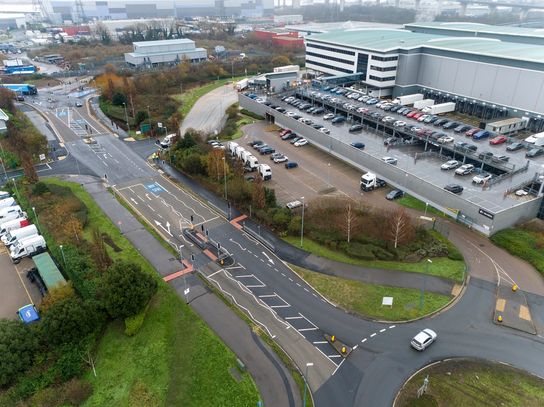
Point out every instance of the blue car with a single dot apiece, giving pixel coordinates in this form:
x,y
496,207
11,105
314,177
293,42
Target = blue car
x,y
481,134
291,164
358,145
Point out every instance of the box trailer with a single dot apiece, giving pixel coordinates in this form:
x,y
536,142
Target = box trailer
x,y
508,126
241,85
420,104
440,108
408,99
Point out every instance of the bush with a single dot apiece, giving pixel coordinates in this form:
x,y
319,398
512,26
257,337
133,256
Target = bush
x,y
193,165
135,322
251,114
382,254
69,363
281,218
77,391
294,225
17,349
40,188
359,251
118,99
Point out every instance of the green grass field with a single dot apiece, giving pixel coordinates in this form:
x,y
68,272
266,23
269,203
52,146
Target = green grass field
x,y
525,244
412,202
473,383
366,299
175,359
441,266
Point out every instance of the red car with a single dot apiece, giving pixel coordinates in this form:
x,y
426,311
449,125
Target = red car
x,y
472,132
498,140
284,132
412,113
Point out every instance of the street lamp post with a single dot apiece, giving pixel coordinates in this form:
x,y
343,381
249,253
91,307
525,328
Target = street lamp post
x,y
37,220
426,206
306,383
225,177
422,296
63,258
126,116
302,223
15,186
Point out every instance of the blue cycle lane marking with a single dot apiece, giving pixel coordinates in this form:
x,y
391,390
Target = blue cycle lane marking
x,y
155,188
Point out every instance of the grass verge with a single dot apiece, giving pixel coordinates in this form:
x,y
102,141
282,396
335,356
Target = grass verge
x,y
366,299
413,203
441,266
475,383
157,367
525,244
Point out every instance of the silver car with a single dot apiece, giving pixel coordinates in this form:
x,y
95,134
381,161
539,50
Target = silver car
x,y
423,339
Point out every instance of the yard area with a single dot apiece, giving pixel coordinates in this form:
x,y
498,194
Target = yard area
x,y
473,383
175,359
440,266
366,299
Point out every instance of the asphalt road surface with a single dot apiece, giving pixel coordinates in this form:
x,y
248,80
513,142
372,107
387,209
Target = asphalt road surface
x,y
382,358
208,113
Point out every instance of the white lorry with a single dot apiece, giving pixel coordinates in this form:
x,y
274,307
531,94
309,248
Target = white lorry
x,y
440,108
12,237
241,85
13,224
27,247
9,213
265,171
408,99
420,104
4,203
370,181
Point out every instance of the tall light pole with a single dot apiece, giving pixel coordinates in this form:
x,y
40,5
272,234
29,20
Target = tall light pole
x,y
225,177
37,220
15,186
2,160
302,223
422,296
306,383
126,116
149,119
63,258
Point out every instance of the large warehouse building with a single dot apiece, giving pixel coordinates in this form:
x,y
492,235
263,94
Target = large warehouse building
x,y
64,10
152,53
480,68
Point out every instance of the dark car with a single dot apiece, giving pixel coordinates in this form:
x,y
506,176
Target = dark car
x,y
338,120
358,145
450,125
514,146
481,134
355,128
316,126
291,164
267,150
289,136
394,194
534,152
485,155
295,140
440,122
454,188
255,143
461,128
395,108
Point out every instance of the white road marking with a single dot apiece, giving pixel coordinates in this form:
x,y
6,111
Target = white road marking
x,y
299,317
319,342
267,296
150,207
373,335
363,340
307,329
382,330
392,326
334,356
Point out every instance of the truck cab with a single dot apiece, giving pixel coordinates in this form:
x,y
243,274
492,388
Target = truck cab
x,y
265,171
370,181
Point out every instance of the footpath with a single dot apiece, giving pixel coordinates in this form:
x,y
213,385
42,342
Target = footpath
x,y
275,383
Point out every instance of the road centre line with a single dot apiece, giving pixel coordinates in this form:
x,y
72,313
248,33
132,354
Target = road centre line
x,y
290,279
319,342
382,330
277,306
373,335
245,276
363,340
392,326
293,317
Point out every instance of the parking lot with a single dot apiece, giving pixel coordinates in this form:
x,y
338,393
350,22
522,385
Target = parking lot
x,y
427,166
15,289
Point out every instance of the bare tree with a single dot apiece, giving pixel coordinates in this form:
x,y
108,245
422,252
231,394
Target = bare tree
x,y
352,220
401,228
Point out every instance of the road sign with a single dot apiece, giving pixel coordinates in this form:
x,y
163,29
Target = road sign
x,y
42,157
145,127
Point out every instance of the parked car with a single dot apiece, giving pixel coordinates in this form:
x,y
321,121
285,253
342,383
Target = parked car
x,y
394,194
461,128
399,123
390,160
450,125
485,155
356,128
324,130
534,152
281,159
514,146
450,165
338,120
440,122
445,139
328,116
464,169
500,158
498,140
301,142
424,339
289,136
293,141
358,145
454,188
481,178
481,135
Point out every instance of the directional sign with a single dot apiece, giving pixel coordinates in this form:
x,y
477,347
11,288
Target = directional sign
x,y
155,188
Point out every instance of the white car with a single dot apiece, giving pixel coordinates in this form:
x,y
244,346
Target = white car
x,y
328,116
293,204
424,339
445,139
301,142
521,192
259,100
290,114
388,119
481,178
390,160
450,165
324,130
399,123
464,169
281,159
423,117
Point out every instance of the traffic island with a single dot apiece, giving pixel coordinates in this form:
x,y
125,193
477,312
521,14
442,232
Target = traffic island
x,y
512,309
340,347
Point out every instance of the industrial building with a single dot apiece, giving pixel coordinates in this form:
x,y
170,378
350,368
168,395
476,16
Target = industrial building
x,y
153,53
484,71
69,10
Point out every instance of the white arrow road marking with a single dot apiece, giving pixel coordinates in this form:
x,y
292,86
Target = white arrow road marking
x,y
168,227
269,259
148,197
159,224
134,200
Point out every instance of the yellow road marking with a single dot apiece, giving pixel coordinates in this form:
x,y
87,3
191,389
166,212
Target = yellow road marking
x,y
501,303
524,313
23,284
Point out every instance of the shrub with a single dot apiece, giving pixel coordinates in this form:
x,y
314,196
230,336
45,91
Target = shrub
x,y
381,253
69,363
281,218
360,251
40,188
77,391
118,99
193,164
17,349
135,322
251,114
294,225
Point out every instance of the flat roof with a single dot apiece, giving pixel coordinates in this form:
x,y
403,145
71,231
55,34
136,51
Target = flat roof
x,y
163,42
151,54
48,270
483,28
344,25
388,40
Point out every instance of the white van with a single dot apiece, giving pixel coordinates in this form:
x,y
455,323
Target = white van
x,y
27,247
4,195
4,203
265,171
252,163
14,236
239,151
167,141
13,224
10,212
232,147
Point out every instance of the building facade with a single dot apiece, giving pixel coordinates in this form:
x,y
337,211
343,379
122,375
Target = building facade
x,y
152,53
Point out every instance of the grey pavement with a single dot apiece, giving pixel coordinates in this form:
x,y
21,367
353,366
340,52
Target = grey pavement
x,y
208,113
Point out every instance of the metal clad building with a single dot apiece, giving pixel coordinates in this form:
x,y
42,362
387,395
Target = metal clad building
x,y
165,51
